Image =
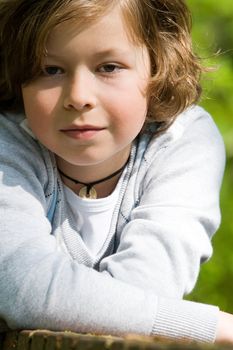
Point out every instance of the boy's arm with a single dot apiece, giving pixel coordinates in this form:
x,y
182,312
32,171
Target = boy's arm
x,y
41,287
169,232
225,328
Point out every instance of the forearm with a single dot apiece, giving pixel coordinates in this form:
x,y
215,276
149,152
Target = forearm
x,y
225,328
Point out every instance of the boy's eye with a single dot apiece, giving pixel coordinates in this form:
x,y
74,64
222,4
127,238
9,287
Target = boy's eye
x,y
109,68
52,70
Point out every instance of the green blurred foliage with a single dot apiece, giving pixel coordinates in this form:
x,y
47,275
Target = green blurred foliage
x,y
213,41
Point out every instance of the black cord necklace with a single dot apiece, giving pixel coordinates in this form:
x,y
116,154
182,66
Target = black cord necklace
x,y
88,190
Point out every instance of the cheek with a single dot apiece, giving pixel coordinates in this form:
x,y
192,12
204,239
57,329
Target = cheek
x,y
38,108
129,119
134,98
128,98
132,108
39,102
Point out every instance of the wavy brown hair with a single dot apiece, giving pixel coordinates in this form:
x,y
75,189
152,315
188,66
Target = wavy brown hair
x,y
162,25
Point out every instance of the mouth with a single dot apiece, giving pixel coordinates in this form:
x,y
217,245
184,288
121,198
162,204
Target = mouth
x,y
82,131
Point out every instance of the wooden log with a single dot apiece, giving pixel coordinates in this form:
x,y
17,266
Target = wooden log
x,y
48,340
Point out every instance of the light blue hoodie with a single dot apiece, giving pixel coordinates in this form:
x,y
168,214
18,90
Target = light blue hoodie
x,y
167,213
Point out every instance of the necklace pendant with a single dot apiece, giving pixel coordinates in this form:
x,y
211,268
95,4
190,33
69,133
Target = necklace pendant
x,y
83,193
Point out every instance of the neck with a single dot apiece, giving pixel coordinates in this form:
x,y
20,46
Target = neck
x,y
103,189
90,173
97,188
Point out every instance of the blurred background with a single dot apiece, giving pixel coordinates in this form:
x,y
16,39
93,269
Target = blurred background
x,y
212,33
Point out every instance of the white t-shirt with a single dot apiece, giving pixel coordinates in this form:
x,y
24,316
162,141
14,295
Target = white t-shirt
x,y
93,216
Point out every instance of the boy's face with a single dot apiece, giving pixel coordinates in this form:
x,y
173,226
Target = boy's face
x,y
90,102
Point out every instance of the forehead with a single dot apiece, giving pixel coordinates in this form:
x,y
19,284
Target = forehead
x,y
109,27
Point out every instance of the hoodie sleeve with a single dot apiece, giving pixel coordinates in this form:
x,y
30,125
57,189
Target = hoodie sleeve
x,y
43,288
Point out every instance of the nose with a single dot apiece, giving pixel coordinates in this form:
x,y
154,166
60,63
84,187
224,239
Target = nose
x,y
79,91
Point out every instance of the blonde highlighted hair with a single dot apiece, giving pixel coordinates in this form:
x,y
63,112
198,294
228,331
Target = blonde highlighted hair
x,y
162,25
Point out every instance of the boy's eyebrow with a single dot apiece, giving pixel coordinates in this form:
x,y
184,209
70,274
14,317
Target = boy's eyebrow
x,y
97,55
113,52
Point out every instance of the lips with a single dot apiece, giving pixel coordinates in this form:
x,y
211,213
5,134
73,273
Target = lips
x,y
82,131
